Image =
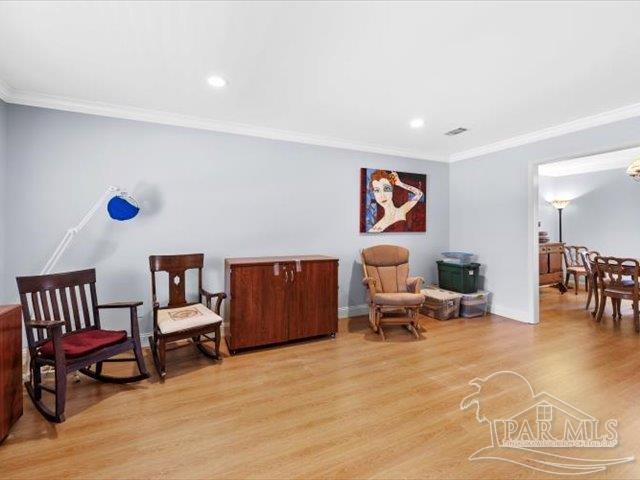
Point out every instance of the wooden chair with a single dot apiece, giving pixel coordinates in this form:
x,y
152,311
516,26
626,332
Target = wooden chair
x,y
179,319
614,282
394,297
63,331
588,260
574,266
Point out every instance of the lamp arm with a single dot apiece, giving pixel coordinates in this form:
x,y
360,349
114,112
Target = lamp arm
x,y
71,232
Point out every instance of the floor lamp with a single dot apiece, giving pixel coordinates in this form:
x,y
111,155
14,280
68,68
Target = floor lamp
x,y
122,206
559,205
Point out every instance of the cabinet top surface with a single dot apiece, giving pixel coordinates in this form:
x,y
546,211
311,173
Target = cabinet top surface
x,y
287,258
7,308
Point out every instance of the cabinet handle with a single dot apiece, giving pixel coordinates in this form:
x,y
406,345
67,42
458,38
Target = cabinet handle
x,y
292,276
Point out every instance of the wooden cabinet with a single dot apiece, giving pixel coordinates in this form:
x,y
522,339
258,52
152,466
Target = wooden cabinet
x,y
550,264
10,367
277,299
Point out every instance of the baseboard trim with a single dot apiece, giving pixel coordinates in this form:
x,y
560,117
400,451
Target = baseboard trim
x,y
353,310
510,313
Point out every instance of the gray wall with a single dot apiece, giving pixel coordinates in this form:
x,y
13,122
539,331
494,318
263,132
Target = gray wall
x,y
492,198
603,212
3,192
225,195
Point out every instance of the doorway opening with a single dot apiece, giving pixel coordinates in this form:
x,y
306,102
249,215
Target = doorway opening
x,y
584,208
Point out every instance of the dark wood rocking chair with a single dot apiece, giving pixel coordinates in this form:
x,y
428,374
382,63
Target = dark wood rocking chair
x,y
179,319
63,331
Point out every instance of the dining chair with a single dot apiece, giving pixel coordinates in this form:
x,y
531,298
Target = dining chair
x,y
574,266
180,319
618,280
592,279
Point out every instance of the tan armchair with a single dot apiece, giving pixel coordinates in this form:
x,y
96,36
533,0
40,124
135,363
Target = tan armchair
x,y
394,297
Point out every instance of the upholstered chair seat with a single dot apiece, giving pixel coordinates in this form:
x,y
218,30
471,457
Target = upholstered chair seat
x,y
183,318
386,276
84,342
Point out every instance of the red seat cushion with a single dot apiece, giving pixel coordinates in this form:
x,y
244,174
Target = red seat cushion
x,y
79,344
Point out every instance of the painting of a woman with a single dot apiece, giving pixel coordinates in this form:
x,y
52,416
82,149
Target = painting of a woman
x,y
392,201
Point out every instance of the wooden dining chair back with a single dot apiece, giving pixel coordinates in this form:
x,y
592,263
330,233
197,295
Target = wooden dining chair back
x,y
588,261
180,319
574,266
62,324
618,280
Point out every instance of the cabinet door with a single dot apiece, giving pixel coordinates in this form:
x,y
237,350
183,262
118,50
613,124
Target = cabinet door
x,y
258,307
544,263
555,262
312,299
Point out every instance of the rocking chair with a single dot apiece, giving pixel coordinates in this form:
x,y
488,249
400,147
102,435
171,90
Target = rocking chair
x,y
62,337
394,297
179,319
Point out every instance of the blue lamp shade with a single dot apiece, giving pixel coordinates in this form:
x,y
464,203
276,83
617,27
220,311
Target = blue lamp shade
x,y
122,207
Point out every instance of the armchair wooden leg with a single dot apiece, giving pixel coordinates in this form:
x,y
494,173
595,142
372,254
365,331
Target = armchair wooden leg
x,y
61,391
589,286
162,357
576,283
602,303
157,350
217,342
36,379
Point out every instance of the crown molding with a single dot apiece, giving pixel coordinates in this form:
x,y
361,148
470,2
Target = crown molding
x,y
584,123
11,95
168,118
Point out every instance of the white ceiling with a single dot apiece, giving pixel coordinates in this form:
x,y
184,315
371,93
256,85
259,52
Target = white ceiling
x,y
344,74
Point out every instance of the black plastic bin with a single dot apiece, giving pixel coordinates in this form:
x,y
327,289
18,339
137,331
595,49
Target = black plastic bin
x,y
458,278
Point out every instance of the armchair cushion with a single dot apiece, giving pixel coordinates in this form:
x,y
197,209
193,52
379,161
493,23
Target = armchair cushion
x,y
388,265
404,299
83,342
184,318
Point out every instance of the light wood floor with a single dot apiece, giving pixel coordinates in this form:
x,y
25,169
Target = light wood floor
x,y
353,407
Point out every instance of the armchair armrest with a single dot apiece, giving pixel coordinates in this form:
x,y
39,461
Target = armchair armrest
x,y
120,305
41,324
414,284
133,314
208,296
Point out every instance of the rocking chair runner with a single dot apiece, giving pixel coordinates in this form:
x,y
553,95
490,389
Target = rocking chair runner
x,y
63,331
179,319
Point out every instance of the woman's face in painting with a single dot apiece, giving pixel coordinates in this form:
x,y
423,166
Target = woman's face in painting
x,y
383,192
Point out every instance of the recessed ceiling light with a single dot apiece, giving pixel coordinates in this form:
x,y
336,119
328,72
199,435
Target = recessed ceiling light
x,y
417,123
216,82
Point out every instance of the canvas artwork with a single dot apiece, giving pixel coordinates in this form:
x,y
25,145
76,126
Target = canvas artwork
x,y
392,201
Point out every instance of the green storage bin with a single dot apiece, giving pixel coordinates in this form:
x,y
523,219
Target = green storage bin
x,y
458,278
